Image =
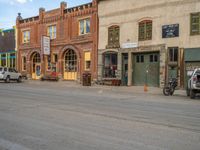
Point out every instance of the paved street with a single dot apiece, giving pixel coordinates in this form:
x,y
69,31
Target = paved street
x,y
38,115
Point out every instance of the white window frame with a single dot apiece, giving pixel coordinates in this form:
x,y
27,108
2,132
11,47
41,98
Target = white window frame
x,y
84,28
26,36
52,31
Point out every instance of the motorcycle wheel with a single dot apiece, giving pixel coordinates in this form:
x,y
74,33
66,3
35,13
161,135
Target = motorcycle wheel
x,y
166,91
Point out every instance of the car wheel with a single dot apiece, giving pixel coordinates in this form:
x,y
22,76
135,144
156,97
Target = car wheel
x,y
192,94
7,80
19,79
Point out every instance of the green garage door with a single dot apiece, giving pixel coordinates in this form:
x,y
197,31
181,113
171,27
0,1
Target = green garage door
x,y
146,69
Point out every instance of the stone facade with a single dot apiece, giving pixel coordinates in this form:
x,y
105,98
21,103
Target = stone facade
x,y
67,40
128,14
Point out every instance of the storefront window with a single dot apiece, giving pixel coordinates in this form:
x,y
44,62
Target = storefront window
x,y
3,60
110,65
48,63
87,60
55,58
36,60
12,60
24,63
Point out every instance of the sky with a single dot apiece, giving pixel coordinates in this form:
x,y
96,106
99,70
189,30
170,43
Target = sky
x,y
28,8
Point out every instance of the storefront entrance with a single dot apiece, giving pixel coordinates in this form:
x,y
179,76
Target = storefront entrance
x,y
36,67
146,69
70,65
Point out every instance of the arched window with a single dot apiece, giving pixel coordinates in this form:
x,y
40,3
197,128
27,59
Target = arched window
x,y
113,37
145,30
110,64
70,61
36,60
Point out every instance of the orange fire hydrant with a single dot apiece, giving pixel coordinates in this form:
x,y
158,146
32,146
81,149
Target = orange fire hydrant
x,y
145,88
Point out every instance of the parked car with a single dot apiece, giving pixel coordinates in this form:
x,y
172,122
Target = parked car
x,y
8,74
194,84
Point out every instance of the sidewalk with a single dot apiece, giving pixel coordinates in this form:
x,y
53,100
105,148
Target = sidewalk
x,y
126,89
140,90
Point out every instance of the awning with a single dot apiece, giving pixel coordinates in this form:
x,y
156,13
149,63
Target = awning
x,y
192,54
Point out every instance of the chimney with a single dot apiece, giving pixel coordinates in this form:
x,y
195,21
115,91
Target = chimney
x,y
19,17
63,6
94,2
41,13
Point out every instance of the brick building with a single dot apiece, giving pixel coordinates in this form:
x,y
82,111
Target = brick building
x,y
7,48
73,42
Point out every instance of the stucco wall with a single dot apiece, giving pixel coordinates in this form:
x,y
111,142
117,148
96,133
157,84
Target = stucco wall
x,y
128,13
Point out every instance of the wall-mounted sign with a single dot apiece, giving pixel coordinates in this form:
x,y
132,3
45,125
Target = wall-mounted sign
x,y
46,45
170,31
129,45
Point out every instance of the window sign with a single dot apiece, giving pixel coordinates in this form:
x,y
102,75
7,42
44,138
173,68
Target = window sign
x,y
170,31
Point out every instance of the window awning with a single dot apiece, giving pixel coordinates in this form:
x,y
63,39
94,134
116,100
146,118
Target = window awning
x,y
192,54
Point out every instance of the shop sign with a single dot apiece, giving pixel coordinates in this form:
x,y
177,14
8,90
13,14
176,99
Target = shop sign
x,y
170,31
129,45
46,45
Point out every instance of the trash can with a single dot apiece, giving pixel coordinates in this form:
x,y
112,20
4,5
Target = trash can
x,y
86,79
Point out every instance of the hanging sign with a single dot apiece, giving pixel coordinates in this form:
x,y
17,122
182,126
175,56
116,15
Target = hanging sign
x,y
46,45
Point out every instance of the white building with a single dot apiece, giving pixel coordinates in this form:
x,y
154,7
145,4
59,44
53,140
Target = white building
x,y
147,39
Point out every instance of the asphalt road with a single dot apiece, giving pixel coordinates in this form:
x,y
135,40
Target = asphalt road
x,y
64,116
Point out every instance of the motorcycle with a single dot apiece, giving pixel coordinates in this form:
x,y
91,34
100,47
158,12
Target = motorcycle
x,y
170,87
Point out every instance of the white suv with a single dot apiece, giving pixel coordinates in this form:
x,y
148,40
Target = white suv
x,y
194,84
8,74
